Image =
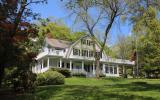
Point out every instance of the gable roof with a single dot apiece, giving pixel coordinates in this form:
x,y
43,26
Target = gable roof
x,y
87,35
58,43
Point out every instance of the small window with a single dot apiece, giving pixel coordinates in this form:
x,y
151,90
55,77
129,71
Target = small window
x,y
83,41
75,51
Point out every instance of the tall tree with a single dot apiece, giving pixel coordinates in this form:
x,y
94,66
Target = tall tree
x,y
106,12
16,34
57,29
144,15
150,40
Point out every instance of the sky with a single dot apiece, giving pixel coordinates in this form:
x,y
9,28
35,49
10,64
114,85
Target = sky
x,y
55,8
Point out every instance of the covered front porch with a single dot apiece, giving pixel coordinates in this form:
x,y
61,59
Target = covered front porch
x,y
75,66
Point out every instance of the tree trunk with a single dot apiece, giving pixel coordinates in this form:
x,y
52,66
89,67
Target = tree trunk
x,y
97,67
133,71
1,74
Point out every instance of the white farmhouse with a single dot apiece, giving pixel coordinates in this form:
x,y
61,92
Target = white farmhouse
x,y
77,57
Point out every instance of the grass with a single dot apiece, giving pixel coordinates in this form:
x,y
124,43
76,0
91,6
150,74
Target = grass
x,y
96,89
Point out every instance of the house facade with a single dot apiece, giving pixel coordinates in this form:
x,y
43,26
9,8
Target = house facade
x,y
78,57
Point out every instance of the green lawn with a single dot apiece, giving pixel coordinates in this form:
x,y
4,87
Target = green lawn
x,y
96,89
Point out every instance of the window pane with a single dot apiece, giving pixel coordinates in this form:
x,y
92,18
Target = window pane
x,y
83,41
115,70
75,51
44,63
111,70
107,69
90,53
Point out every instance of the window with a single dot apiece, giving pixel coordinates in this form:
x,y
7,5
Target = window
x,y
98,54
79,52
115,70
90,53
85,53
111,70
83,41
44,63
86,42
75,51
107,69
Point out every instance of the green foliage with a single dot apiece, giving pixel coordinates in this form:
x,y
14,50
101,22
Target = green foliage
x,y
64,72
102,75
23,81
79,74
94,89
124,47
7,81
149,52
50,78
57,30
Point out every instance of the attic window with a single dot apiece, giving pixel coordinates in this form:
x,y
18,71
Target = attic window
x,y
83,41
86,42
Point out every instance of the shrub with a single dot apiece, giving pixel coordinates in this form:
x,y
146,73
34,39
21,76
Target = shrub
x,y
24,81
50,78
102,75
79,74
63,71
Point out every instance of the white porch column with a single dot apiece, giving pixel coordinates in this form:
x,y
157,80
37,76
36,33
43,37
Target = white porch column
x,y
93,68
104,68
113,69
65,65
42,65
123,69
60,65
82,66
118,70
70,67
109,69
48,62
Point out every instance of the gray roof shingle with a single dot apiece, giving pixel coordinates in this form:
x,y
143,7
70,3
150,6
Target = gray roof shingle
x,y
58,43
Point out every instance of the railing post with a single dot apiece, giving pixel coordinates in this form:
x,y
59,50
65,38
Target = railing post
x,y
93,68
48,63
103,68
117,69
82,66
60,63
